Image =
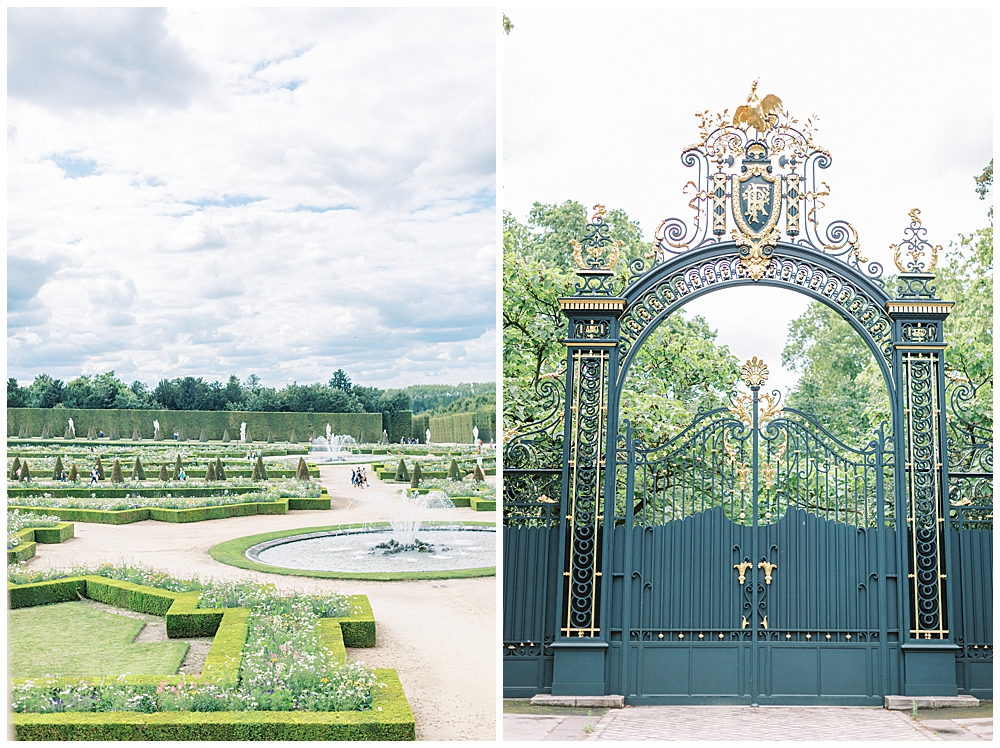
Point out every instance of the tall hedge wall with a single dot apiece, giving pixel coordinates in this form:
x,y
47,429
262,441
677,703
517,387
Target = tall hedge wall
x,y
418,427
457,427
397,425
214,422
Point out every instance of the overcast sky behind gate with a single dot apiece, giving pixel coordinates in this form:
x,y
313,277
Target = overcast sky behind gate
x,y
599,103
278,192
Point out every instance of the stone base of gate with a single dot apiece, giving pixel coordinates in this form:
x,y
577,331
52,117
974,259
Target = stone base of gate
x,y
588,702
906,703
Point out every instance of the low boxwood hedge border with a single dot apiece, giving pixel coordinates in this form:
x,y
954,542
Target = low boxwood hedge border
x,y
233,553
31,536
197,514
389,719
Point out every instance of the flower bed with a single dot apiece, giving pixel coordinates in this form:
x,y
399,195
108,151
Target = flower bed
x,y
277,668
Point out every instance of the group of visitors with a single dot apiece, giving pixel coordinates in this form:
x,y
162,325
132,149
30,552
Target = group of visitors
x,y
358,478
251,455
408,440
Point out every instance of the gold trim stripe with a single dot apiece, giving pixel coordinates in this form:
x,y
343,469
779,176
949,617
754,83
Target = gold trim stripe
x,y
925,347
616,305
919,307
589,344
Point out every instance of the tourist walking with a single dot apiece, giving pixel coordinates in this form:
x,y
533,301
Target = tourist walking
x,y
94,475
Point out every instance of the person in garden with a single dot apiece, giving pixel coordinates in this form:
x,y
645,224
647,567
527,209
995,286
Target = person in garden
x,y
93,475
182,475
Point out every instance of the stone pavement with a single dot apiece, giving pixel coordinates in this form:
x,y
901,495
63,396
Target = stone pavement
x,y
740,723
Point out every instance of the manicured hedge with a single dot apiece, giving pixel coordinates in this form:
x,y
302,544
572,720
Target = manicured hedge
x,y
198,514
418,427
389,719
30,536
457,427
483,505
147,491
57,534
319,503
21,552
192,421
394,722
398,424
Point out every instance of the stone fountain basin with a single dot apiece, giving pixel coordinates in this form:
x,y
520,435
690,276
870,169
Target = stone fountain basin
x,y
350,550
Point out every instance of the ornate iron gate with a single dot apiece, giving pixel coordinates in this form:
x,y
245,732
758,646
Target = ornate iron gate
x,y
753,559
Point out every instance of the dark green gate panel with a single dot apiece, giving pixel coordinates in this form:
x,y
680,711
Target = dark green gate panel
x,y
972,554
529,556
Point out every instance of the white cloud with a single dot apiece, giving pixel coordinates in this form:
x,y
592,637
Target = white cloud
x,y
320,196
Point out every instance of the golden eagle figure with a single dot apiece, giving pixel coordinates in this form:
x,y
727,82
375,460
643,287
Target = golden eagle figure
x,y
757,113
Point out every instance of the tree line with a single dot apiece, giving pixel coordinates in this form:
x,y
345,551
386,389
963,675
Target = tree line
x,y
338,395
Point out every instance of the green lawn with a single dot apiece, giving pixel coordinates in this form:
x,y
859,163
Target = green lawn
x,y
72,639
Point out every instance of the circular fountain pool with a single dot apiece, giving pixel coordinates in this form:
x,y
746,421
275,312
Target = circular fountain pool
x,y
353,550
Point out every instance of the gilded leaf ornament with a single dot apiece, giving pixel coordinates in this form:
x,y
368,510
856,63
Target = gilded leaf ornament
x,y
755,372
915,246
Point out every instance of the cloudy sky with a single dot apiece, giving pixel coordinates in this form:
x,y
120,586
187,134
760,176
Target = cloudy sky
x,y
285,193
599,104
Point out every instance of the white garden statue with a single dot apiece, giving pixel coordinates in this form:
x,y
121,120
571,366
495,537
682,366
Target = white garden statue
x,y
243,431
427,434
72,429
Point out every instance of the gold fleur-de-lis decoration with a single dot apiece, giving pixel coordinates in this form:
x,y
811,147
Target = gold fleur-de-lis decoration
x,y
768,568
755,372
742,569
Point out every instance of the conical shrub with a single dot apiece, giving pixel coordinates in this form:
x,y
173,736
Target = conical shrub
x,y
361,437
25,472
58,469
417,475
158,435
176,475
100,469
20,433
259,471
14,467
478,475
164,475
91,433
203,437
73,476
453,473
248,440
137,472
114,434
270,437
27,431
225,436
116,472
402,474
68,434
220,471
210,472
292,439
182,437
302,471
46,434
136,436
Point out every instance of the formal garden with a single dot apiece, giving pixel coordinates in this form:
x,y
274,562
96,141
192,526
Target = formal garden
x,y
138,653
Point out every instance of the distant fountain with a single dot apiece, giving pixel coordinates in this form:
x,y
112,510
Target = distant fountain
x,y
332,447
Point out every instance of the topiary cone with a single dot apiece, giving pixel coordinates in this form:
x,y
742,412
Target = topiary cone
x,y
259,472
74,476
137,472
116,472
136,436
57,470
14,467
177,469
453,473
402,474
292,439
302,472
225,436
181,437
220,471
113,436
210,472
478,475
164,475
157,435
417,475
100,469
68,434
270,437
25,473
91,433
203,437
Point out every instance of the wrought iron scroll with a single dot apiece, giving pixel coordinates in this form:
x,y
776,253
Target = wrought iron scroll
x,y
661,300
970,461
923,471
586,469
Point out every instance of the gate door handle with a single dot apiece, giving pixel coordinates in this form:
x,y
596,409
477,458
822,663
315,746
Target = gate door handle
x,y
768,568
742,569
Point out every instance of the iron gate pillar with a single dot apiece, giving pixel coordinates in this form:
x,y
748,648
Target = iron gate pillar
x,y
580,648
921,448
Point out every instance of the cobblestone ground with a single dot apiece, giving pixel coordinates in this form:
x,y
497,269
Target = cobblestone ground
x,y
761,723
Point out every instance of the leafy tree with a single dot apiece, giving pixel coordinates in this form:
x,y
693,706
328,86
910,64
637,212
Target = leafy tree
x,y
45,392
340,381
17,396
840,382
679,369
